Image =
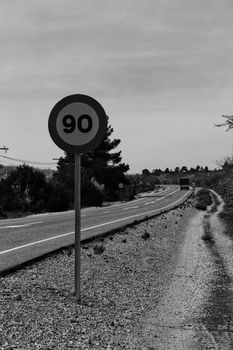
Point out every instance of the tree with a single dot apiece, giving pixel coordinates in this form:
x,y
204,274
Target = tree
x,y
24,189
102,164
145,172
228,122
157,172
184,169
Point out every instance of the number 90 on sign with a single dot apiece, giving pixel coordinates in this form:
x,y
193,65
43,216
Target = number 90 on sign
x,y
69,123
77,123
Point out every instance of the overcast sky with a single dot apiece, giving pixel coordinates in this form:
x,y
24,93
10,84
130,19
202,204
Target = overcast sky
x,y
162,70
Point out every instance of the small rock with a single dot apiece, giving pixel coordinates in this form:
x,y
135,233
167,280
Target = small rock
x,y
19,297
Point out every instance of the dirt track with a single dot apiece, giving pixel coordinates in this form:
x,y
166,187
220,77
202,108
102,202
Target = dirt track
x,y
196,311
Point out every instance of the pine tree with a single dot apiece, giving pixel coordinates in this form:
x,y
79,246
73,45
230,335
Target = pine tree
x,y
100,165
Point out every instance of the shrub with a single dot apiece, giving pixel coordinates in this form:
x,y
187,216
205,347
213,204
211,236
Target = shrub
x,y
203,199
24,189
98,248
201,206
58,198
145,235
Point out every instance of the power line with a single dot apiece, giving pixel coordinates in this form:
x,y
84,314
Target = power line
x,y
28,161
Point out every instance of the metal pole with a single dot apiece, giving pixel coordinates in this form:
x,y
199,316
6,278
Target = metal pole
x,y
77,208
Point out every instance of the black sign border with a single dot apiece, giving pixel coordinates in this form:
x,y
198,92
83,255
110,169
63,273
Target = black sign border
x,y
100,133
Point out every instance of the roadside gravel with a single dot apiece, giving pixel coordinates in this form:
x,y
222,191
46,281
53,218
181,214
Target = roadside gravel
x,y
119,287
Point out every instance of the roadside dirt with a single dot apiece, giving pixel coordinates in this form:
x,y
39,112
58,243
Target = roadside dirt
x,y
196,312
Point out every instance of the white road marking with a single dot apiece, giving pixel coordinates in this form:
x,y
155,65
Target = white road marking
x,y
167,195
147,203
91,227
106,212
23,225
172,192
113,206
34,243
127,208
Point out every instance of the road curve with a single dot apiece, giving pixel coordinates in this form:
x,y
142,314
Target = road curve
x,y
24,239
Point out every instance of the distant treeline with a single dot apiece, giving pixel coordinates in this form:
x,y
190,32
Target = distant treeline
x,y
183,169
26,189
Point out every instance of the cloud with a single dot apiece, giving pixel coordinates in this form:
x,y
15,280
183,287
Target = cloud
x,y
157,61
126,47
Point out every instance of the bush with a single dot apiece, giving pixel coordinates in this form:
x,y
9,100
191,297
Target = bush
x,y
24,189
58,201
98,248
225,189
145,235
201,206
203,199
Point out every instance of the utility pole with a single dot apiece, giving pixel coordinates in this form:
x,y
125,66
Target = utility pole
x,y
4,148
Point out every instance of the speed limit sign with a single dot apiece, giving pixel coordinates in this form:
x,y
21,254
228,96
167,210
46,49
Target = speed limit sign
x,y
77,123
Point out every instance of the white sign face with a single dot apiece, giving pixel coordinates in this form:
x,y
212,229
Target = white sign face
x,y
77,123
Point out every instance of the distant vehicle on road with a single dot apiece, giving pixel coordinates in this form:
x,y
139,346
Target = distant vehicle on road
x,y
184,183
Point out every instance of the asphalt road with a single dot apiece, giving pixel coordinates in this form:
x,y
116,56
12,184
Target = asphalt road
x,y
24,239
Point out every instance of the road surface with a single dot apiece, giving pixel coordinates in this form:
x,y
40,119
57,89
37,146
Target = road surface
x,y
24,239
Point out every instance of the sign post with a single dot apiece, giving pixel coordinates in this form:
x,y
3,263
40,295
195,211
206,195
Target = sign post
x,y
121,185
77,124
77,210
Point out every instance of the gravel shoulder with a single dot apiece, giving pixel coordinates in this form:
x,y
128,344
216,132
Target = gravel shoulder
x,y
119,287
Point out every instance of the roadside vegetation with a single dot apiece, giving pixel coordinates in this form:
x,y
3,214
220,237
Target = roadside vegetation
x,y
25,189
224,184
225,188
203,199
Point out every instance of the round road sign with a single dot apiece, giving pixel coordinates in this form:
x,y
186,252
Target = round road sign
x,y
77,123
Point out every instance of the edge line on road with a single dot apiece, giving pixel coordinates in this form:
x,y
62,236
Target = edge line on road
x,y
92,227
133,216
